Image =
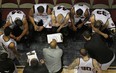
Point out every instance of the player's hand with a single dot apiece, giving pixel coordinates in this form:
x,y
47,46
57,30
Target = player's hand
x,y
12,36
80,25
74,28
42,61
105,35
36,28
41,28
95,29
18,38
58,30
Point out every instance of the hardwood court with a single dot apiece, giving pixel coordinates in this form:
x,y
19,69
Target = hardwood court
x,y
20,70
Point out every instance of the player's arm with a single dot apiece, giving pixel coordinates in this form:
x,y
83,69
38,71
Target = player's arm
x,y
45,24
7,24
74,64
99,32
25,30
31,17
49,11
87,16
96,66
13,48
72,13
53,18
65,22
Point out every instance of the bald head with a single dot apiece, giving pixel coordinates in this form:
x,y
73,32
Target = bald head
x,y
60,18
53,43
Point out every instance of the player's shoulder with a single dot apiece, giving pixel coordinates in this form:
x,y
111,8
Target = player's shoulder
x,y
12,45
1,33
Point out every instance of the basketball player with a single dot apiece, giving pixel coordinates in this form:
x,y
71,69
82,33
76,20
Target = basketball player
x,y
79,16
108,26
16,20
9,44
85,64
60,19
39,16
105,18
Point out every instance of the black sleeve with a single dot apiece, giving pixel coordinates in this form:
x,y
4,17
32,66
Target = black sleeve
x,y
26,70
12,67
45,68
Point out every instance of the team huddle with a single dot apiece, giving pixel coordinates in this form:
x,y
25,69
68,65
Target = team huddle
x,y
59,19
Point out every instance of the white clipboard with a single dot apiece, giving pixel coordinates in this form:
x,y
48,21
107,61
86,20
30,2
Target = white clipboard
x,y
31,55
57,36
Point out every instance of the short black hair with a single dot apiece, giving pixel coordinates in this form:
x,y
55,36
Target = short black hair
x,y
40,9
79,12
86,34
18,22
98,24
83,52
7,31
34,62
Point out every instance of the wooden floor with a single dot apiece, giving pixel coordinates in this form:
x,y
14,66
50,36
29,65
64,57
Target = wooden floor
x,y
72,71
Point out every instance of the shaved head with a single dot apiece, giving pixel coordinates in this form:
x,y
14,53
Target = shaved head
x,y
53,43
60,18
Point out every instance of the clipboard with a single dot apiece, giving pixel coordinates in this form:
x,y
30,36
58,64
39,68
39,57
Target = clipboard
x,y
57,36
31,55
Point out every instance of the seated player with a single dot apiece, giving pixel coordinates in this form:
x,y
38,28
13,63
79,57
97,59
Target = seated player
x,y
9,44
60,19
39,16
79,16
85,64
108,26
16,20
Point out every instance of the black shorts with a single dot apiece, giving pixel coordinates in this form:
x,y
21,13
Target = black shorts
x,y
64,30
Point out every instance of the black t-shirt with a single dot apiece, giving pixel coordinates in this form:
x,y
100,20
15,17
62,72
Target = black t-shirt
x,y
98,49
39,69
7,66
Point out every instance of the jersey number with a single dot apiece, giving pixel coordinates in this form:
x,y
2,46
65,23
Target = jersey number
x,y
86,68
102,12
